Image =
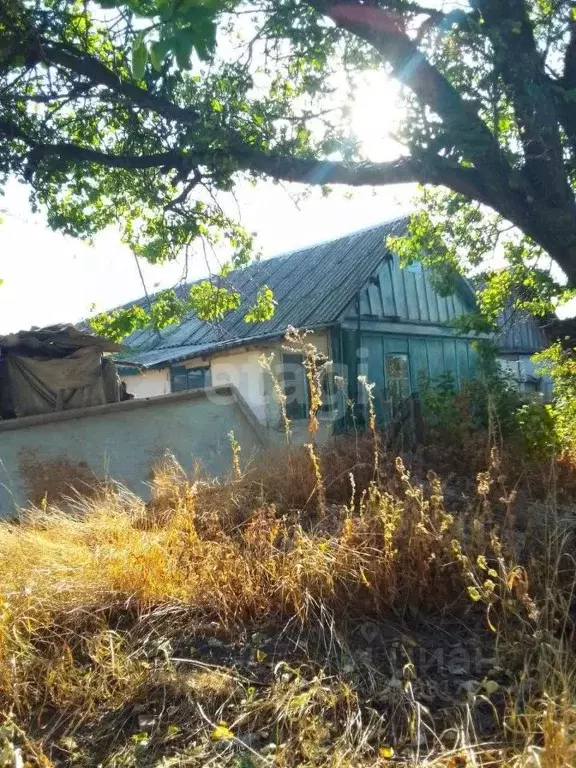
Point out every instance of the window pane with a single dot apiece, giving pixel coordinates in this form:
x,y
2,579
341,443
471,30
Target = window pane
x,y
184,379
179,379
397,376
197,378
328,387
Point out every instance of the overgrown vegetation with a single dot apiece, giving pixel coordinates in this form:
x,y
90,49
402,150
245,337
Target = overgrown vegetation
x,y
221,625
329,607
491,409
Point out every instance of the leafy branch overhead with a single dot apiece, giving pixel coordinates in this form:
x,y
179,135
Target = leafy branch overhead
x,y
141,113
207,300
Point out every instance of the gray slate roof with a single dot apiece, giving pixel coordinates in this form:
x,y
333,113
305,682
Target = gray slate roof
x,y
520,333
312,287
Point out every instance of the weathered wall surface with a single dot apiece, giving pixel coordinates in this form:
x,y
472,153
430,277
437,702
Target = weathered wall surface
x,y
148,383
241,369
122,442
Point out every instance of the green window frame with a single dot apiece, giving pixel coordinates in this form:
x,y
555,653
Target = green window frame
x,y
183,379
295,386
397,376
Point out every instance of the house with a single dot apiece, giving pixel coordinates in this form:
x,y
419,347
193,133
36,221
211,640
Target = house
x,y
520,337
368,316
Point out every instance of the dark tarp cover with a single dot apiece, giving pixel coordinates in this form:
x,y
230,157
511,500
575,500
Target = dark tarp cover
x,y
53,369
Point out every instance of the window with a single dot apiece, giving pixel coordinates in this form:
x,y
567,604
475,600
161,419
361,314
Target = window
x,y
184,378
295,386
329,396
397,377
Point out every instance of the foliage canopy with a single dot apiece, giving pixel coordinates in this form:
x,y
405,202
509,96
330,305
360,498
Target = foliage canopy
x,y
141,112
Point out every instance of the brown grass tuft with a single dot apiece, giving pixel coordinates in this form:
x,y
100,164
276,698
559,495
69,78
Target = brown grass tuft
x,y
262,620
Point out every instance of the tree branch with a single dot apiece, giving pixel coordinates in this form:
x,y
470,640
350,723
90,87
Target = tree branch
x,y
410,66
551,223
71,152
404,7
521,67
74,60
74,153
426,170
442,97
429,170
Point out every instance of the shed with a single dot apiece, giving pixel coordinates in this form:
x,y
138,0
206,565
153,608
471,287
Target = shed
x,y
53,369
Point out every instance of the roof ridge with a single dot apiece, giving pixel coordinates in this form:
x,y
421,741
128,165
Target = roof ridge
x,y
344,236
181,286
311,284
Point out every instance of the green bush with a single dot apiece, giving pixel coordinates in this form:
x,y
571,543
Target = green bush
x,y
491,403
536,429
560,364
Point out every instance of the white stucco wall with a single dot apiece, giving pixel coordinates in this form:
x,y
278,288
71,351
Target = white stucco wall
x,y
243,370
148,383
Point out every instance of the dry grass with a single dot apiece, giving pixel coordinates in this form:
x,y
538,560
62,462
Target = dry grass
x,y
56,479
256,622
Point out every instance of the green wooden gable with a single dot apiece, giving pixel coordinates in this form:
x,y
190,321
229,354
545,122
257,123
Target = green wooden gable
x,y
395,294
398,332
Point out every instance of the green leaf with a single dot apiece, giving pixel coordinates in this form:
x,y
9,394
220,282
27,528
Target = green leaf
x,y
166,310
182,46
120,323
211,302
139,58
157,53
204,49
263,307
146,8
244,762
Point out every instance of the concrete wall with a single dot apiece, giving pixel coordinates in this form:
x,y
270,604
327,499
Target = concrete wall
x,y
148,383
122,441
